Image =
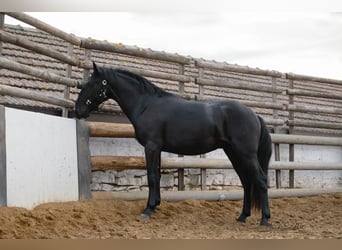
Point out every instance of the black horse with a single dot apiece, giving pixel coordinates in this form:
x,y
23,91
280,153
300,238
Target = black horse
x,y
166,122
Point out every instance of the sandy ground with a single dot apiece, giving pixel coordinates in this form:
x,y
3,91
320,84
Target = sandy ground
x,y
311,217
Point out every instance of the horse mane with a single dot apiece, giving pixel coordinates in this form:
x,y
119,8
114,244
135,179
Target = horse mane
x,y
145,85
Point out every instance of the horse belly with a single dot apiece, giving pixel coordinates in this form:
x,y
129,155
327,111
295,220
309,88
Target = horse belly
x,y
192,140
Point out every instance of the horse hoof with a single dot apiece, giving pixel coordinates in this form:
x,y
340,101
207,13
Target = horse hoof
x,y
145,216
241,220
265,224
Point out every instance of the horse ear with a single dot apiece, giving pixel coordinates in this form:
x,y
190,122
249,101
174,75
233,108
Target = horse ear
x,y
95,68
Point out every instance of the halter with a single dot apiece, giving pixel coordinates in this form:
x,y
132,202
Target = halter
x,y
103,92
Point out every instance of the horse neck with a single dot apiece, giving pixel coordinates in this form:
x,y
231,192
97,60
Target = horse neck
x,y
130,100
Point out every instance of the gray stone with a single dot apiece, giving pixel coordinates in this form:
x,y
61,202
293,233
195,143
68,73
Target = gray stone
x,y
167,180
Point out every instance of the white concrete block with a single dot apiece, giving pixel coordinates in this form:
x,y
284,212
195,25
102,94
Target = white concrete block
x,y
41,158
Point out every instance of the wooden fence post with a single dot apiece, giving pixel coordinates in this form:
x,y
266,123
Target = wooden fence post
x,y
276,130
2,23
181,185
291,129
86,72
65,111
201,97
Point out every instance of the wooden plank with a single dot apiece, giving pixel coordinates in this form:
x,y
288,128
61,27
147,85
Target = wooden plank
x,y
149,73
236,68
212,195
44,50
312,79
300,92
27,94
116,130
314,124
136,162
306,140
231,83
42,74
84,162
133,51
3,169
45,27
315,109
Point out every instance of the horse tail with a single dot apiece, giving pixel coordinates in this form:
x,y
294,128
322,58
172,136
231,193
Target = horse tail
x,y
264,155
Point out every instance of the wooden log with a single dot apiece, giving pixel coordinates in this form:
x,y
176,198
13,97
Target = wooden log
x,y
27,94
292,165
148,73
137,162
105,129
133,51
312,79
42,74
306,140
212,195
313,124
45,27
236,68
100,45
115,130
308,108
27,44
274,121
230,83
299,92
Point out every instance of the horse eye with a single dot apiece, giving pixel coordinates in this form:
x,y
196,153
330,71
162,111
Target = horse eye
x,y
88,102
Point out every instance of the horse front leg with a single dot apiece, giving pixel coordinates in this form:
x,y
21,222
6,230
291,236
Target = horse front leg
x,y
152,156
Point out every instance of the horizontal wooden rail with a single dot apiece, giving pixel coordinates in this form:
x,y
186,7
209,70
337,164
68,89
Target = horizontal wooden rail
x,y
113,130
273,121
149,73
237,69
133,51
230,83
269,105
42,74
300,92
297,77
306,140
45,27
136,162
100,45
308,108
31,95
212,195
27,44
104,129
315,124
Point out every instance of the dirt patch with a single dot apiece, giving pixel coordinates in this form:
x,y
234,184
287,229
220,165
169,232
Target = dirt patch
x,y
311,217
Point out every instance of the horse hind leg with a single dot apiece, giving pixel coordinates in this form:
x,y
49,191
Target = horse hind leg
x,y
254,183
259,194
246,208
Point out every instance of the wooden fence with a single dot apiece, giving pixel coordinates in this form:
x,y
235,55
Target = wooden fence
x,y
283,97
114,130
